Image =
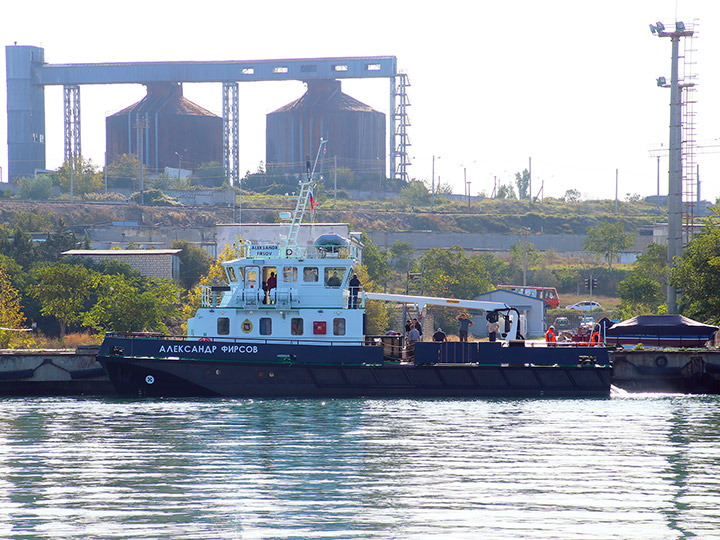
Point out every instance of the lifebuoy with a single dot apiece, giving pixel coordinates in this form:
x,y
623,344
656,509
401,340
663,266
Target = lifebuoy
x,y
661,361
204,339
288,252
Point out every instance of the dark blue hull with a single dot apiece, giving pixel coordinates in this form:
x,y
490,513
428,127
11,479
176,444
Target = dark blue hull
x,y
143,367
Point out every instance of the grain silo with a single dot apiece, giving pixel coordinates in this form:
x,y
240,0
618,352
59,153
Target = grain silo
x,y
176,131
355,132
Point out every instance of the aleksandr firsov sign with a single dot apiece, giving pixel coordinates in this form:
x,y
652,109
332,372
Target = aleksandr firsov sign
x,y
264,250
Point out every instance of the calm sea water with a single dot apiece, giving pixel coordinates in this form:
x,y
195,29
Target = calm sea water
x,y
630,467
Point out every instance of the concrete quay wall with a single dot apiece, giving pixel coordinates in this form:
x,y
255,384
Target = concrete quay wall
x,y
59,372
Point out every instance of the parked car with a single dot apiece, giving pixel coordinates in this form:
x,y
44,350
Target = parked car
x,y
587,322
585,305
562,323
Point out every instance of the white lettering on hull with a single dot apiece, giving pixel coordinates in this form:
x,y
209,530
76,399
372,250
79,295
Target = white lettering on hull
x,y
208,349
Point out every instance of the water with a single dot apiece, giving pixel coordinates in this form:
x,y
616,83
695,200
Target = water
x,y
631,467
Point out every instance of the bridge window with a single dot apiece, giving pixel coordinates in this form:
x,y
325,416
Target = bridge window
x,y
280,69
289,274
340,67
296,326
223,326
373,67
334,276
310,274
265,326
248,71
338,327
231,274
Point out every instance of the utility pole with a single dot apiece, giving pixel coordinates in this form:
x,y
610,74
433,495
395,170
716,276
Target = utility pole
x,y
530,180
432,204
676,160
141,124
616,191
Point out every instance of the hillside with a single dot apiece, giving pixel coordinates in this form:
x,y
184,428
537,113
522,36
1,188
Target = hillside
x,y
489,215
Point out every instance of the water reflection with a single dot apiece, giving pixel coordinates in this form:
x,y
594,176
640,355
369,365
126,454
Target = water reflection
x,y
636,467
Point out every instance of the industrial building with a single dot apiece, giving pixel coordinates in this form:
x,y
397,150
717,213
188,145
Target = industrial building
x,y
164,110
355,132
166,129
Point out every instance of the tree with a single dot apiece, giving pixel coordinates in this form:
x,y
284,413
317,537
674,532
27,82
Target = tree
x,y
61,239
18,245
450,273
38,188
125,305
62,290
85,178
375,260
416,193
696,274
11,315
124,172
195,262
403,256
572,195
505,191
607,239
522,181
211,174
640,295
215,275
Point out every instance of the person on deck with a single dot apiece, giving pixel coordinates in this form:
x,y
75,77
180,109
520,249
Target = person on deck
x,y
595,337
465,325
418,327
334,280
550,336
354,291
272,281
439,335
492,328
413,336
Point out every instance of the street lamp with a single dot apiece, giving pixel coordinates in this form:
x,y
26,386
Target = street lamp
x,y
180,156
467,184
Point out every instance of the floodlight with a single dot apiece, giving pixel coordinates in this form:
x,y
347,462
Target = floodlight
x,y
660,26
653,29
661,81
680,26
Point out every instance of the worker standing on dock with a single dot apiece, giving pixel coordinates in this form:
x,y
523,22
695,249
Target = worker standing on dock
x,y
550,336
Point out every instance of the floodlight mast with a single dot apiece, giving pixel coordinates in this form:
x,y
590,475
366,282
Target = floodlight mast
x,y
676,166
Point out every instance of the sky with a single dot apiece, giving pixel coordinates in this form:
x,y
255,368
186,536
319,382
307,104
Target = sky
x,y
566,85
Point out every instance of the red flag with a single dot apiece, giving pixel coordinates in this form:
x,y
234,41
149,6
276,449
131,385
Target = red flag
x,y
312,202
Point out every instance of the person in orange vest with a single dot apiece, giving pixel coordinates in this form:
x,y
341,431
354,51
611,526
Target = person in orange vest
x,y
550,335
595,337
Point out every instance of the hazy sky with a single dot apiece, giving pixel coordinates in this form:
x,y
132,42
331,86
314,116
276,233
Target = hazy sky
x,y
566,82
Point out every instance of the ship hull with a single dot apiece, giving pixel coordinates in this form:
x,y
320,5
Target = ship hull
x,y
354,372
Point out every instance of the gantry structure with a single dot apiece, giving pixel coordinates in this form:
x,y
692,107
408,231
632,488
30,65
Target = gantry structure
x,y
28,74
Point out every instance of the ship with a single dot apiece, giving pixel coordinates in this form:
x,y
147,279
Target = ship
x,y
290,322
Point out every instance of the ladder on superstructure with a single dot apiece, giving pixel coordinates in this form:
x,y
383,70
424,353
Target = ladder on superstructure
x,y
402,120
301,204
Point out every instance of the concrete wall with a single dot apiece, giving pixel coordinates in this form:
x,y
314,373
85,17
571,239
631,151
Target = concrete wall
x,y
160,264
564,244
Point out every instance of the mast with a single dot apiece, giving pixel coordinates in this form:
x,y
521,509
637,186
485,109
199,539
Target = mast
x,y
306,186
